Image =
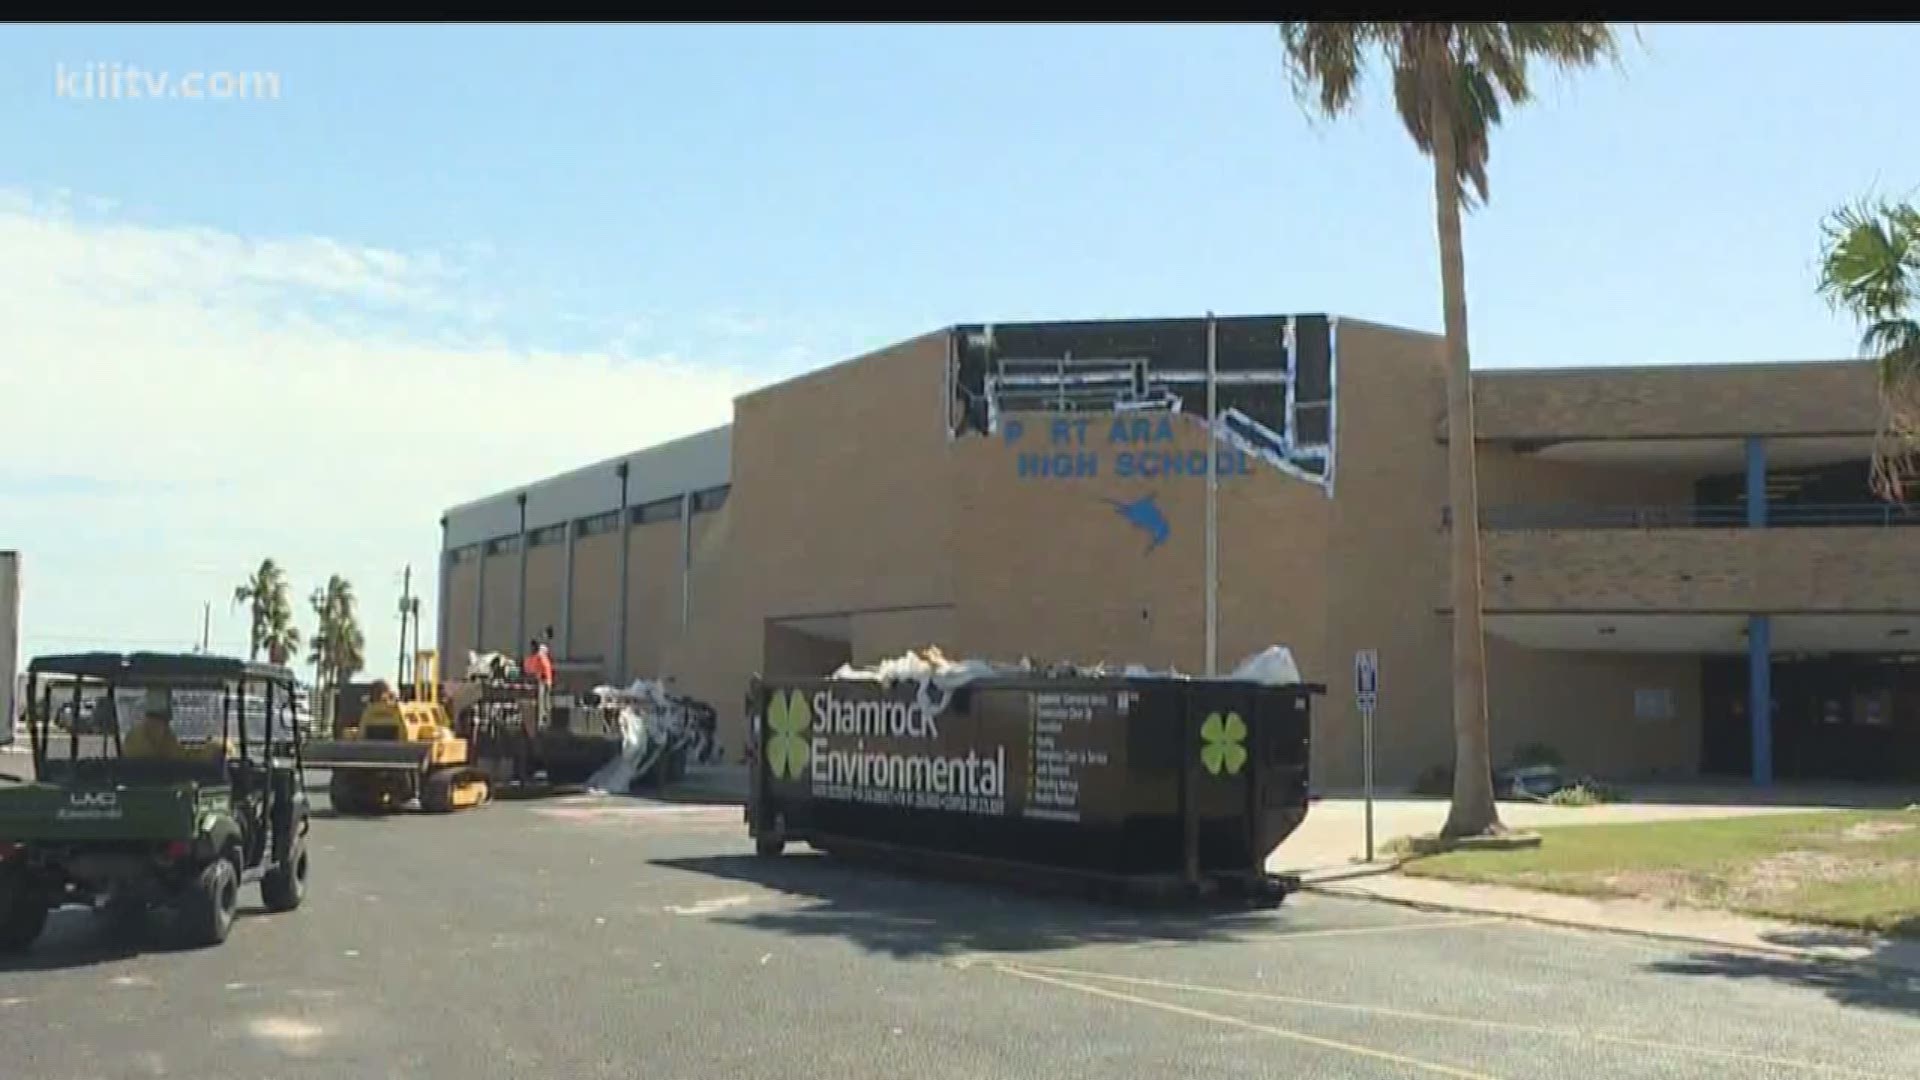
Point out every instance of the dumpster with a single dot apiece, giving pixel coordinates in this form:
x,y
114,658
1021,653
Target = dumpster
x,y
1122,784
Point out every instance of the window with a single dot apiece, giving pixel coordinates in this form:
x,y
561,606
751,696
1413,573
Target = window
x,y
552,534
600,523
1873,708
503,545
710,499
657,510
1653,704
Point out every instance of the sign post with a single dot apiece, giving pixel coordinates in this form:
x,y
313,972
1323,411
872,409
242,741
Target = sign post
x,y
1366,694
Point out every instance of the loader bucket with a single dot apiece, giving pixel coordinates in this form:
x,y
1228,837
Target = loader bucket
x,y
366,754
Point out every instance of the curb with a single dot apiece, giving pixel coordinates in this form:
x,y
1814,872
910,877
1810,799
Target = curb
x,y
1786,951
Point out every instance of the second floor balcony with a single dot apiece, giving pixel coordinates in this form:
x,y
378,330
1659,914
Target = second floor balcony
x,y
1534,517
1810,558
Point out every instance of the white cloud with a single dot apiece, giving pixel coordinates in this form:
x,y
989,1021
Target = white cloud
x,y
180,402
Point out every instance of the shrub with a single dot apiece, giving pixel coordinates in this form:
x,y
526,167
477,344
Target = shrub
x,y
1584,793
1530,755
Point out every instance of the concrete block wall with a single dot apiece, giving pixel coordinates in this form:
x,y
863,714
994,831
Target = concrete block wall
x,y
1695,401
1703,570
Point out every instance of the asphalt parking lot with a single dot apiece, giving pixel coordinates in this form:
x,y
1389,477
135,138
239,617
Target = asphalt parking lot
x,y
600,937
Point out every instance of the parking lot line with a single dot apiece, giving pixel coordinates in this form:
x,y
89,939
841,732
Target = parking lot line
x,y
1442,1018
1247,1025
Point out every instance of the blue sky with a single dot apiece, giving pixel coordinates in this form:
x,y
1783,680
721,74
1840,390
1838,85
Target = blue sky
x,y
641,221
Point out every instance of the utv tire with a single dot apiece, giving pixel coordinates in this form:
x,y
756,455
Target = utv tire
x,y
344,795
126,920
209,904
282,888
22,916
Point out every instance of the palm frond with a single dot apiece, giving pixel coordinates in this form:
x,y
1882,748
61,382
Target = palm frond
x,y
1486,65
1870,260
1870,269
1326,60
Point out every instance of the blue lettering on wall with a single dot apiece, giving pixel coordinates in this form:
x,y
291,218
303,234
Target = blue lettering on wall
x,y
1139,430
1073,459
1059,466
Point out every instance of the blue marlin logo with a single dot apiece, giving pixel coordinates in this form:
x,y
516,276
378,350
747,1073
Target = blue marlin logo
x,y
1144,514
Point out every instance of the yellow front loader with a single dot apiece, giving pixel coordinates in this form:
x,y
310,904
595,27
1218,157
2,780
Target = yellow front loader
x,y
401,749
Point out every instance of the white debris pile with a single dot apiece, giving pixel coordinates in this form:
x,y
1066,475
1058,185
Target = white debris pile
x,y
1271,666
930,668
654,722
491,665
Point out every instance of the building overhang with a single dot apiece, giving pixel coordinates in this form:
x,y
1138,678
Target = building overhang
x,y
1701,456
1706,634
1690,401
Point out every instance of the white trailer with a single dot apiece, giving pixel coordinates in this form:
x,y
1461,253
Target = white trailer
x,y
10,689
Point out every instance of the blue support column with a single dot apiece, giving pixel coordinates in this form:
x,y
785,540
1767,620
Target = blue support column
x,y
1756,482
1759,628
1760,695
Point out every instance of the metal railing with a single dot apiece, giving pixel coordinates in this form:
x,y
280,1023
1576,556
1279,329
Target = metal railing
x,y
1524,517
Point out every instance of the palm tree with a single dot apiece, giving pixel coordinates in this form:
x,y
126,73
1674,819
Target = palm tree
x,y
271,628
1870,269
338,649
1452,83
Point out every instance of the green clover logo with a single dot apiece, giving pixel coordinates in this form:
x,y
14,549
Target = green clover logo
x,y
788,716
1223,743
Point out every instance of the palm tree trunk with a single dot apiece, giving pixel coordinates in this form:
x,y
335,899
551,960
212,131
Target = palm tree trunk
x,y
1473,810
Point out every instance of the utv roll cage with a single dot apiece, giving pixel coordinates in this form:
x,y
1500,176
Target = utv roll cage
x,y
71,676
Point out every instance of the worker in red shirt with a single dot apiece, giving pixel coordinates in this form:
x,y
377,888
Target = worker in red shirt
x,y
539,663
539,666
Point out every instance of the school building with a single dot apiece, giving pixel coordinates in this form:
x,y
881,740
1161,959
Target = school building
x,y
1662,546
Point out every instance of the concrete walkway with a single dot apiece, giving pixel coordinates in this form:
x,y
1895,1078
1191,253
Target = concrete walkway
x,y
1634,916
1334,833
1327,851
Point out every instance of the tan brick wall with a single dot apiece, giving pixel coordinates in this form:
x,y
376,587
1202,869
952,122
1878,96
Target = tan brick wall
x,y
878,635
653,595
703,525
840,502
596,576
841,484
1047,567
793,654
712,657
1685,402
463,579
1703,570
1386,559
1508,478
546,569
1582,704
503,584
